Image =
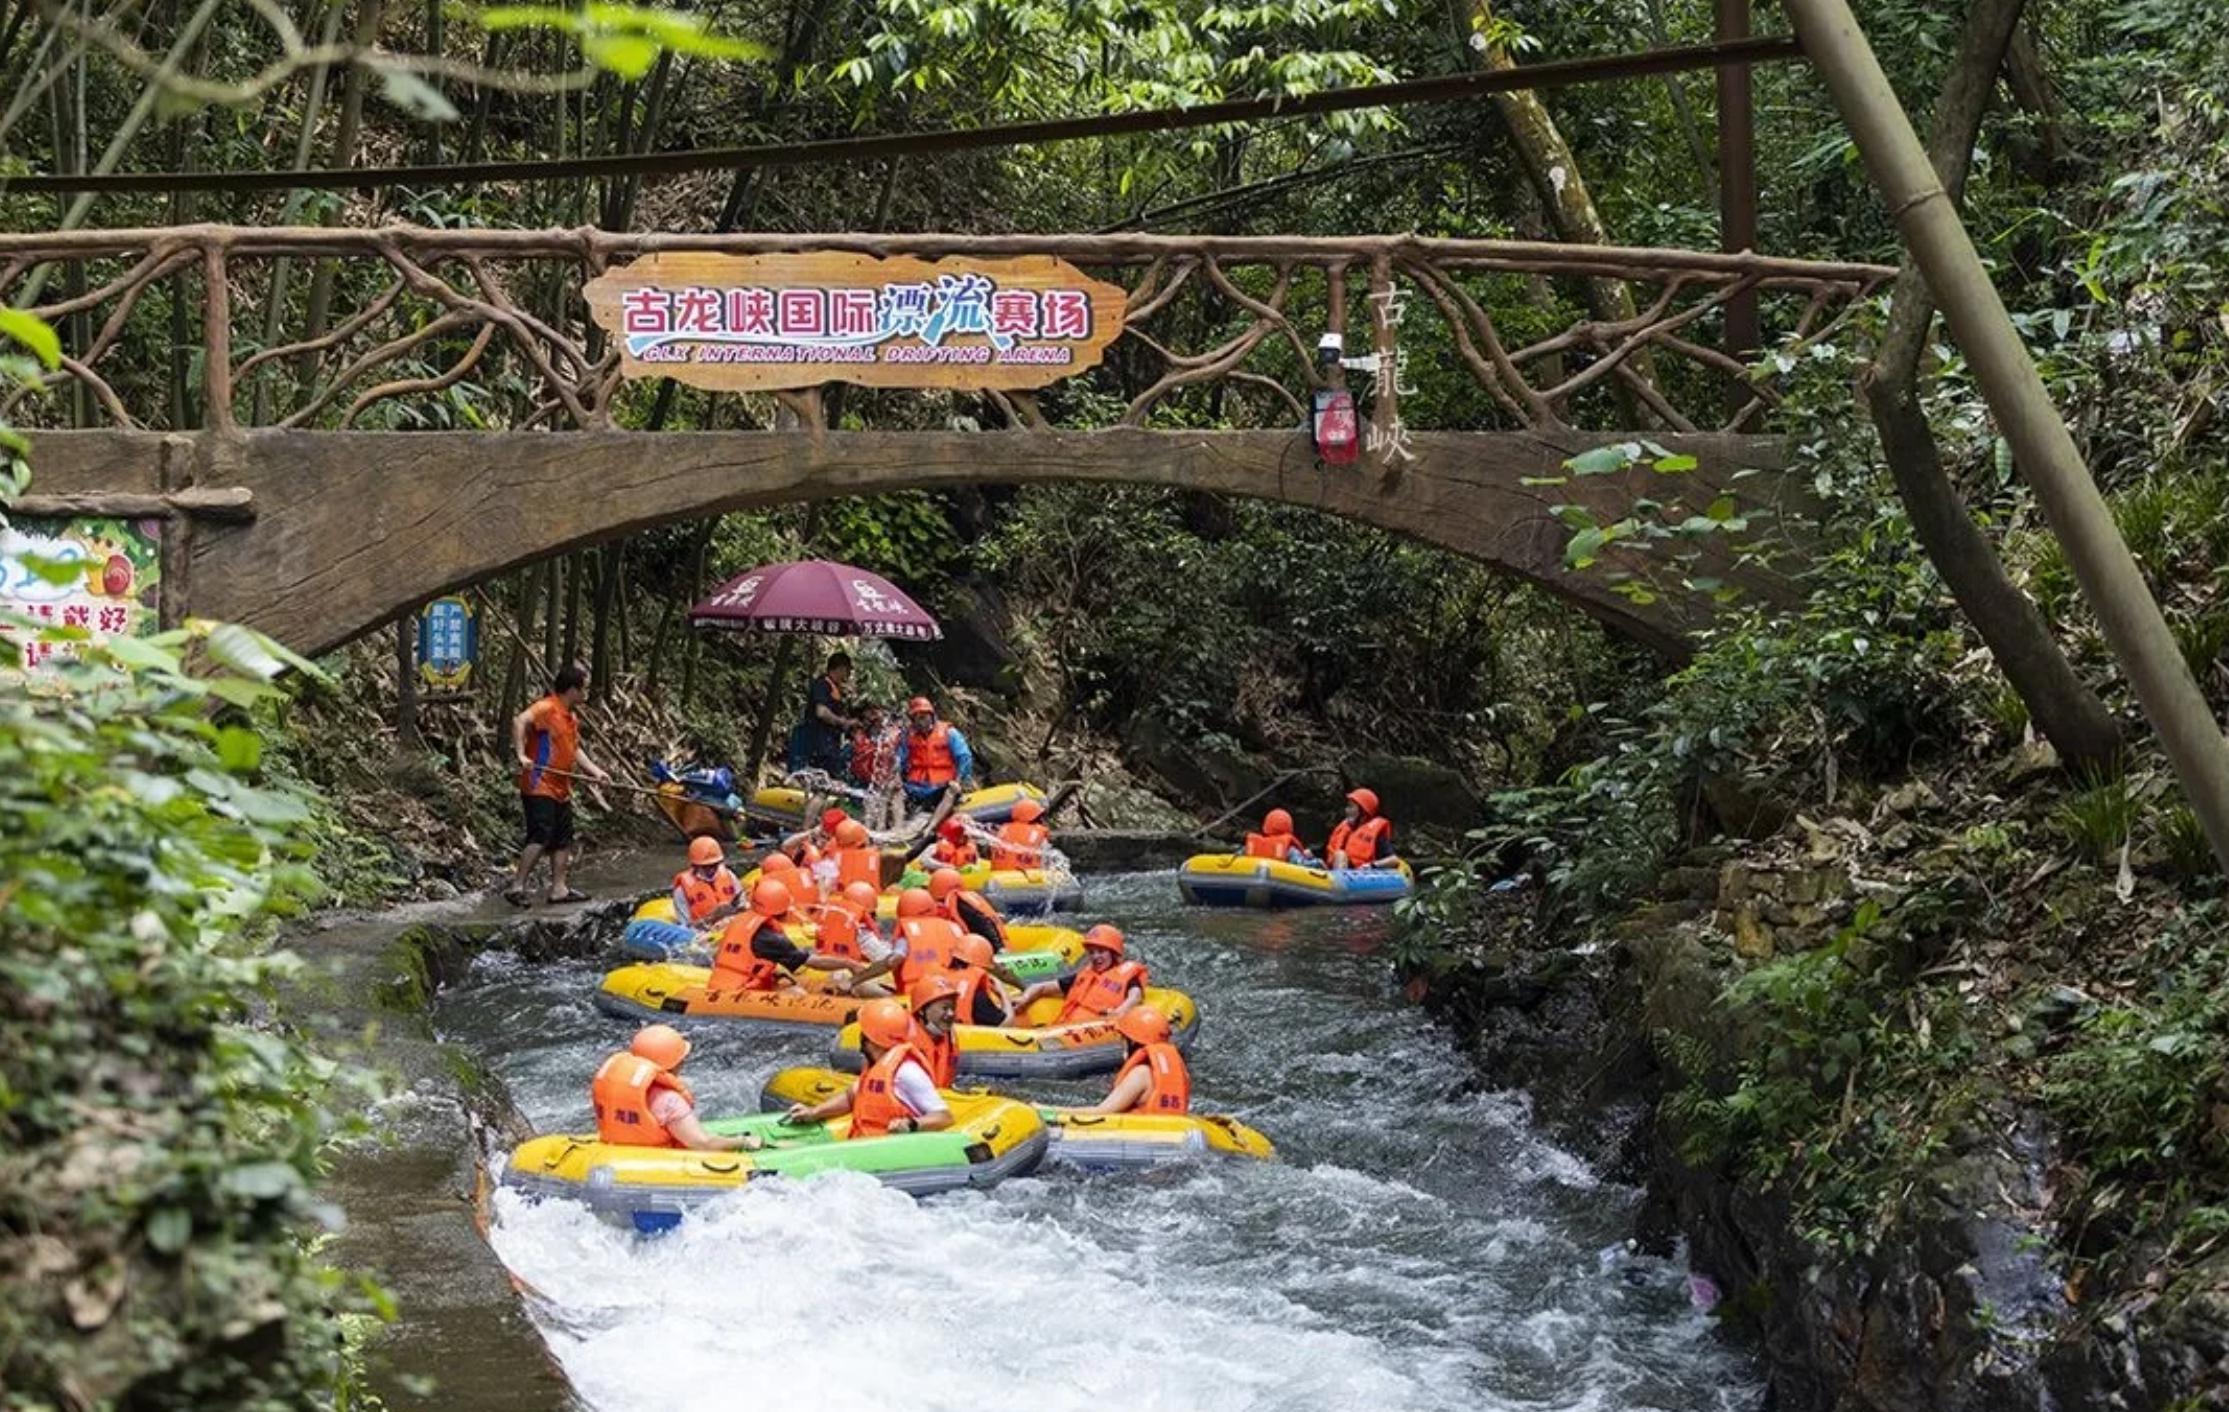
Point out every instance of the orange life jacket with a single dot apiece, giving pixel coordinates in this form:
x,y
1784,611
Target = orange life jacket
x,y
621,1093
858,865
1172,1082
975,981
972,912
1019,845
930,942
1271,845
837,934
1362,841
929,757
735,966
941,1057
875,1104
706,897
1093,993
955,855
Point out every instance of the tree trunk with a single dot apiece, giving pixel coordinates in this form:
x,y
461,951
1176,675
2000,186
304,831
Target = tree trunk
x,y
346,138
406,682
599,637
552,612
2066,711
1553,170
575,566
763,731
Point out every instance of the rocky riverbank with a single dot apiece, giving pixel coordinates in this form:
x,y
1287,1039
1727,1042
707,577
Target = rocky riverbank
x,y
1882,1071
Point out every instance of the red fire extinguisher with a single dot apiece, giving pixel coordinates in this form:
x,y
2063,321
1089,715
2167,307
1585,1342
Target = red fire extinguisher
x,y
1337,433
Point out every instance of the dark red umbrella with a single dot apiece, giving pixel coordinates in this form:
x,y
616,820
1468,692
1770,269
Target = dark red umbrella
x,y
815,596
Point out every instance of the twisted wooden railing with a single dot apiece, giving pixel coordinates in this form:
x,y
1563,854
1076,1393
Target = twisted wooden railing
x,y
221,327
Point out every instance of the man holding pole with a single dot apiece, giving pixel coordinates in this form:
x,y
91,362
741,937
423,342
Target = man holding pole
x,y
546,738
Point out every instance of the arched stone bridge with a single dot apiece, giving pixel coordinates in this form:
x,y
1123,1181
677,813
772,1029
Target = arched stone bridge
x,y
442,412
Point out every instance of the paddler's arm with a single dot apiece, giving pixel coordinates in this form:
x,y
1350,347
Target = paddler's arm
x,y
834,1106
693,1136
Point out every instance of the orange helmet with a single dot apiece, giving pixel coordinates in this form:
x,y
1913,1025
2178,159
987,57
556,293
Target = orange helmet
x,y
862,898
920,704
883,1023
1143,1024
1364,799
1104,938
1277,821
832,819
973,951
705,852
770,898
943,883
661,1045
1028,811
915,902
930,988
776,862
851,834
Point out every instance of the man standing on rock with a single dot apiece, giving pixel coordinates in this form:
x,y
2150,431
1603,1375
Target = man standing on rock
x,y
546,738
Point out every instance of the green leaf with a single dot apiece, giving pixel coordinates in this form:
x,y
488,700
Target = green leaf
x,y
1544,480
169,1228
1584,546
497,17
627,55
1577,516
1601,461
140,654
1724,508
1674,465
238,750
243,651
415,96
261,1181
33,333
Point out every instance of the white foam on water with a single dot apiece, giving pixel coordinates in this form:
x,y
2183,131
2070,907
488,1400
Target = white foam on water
x,y
836,1293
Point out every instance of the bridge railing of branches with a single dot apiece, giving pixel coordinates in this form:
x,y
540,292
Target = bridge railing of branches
x,y
221,327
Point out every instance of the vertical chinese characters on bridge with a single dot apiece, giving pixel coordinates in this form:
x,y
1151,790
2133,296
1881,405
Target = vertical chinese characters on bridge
x,y
763,322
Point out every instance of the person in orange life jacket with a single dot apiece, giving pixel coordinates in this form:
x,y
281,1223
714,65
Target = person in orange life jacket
x,y
894,1092
546,739
932,756
929,939
847,932
1107,985
982,999
973,914
1154,1078
855,857
640,1100
933,1000
755,952
1277,840
952,848
705,892
1363,837
1021,839
804,848
803,890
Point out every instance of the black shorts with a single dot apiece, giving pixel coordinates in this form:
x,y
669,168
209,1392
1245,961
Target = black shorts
x,y
549,822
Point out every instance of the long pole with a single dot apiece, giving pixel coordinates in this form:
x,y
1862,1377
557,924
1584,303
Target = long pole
x,y
1737,179
2041,445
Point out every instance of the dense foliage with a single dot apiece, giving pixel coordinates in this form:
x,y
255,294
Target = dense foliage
x,y
159,1132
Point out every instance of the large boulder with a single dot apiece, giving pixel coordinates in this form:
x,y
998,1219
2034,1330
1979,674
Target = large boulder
x,y
1417,792
1211,772
976,649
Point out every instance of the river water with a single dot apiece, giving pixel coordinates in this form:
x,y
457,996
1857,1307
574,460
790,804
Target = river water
x,y
1421,1245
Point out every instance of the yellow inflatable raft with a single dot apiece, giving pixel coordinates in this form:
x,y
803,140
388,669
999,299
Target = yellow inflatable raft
x,y
784,805
1094,1141
1034,950
650,1188
1224,880
1036,1048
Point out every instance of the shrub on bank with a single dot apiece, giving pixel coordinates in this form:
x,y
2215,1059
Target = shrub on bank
x,y
159,1127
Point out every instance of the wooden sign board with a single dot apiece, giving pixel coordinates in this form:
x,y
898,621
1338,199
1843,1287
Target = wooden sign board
x,y
745,323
